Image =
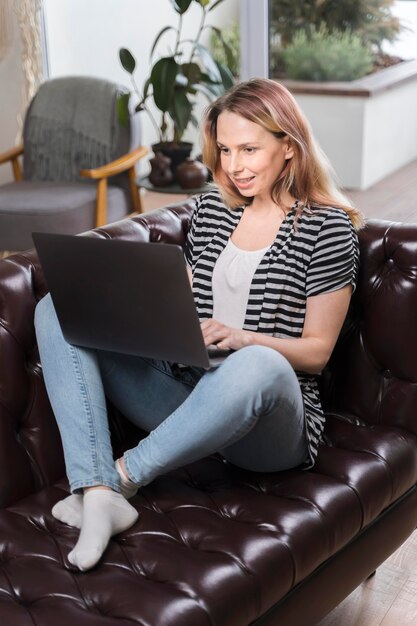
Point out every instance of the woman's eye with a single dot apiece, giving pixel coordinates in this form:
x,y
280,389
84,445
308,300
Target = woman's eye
x,y
224,150
250,150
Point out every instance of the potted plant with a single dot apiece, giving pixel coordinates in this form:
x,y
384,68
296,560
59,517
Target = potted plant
x,y
176,79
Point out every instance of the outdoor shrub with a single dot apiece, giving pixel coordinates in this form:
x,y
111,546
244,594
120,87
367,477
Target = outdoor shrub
x,y
371,20
322,56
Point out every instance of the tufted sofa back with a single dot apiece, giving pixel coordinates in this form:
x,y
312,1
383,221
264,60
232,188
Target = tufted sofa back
x,y
371,378
373,372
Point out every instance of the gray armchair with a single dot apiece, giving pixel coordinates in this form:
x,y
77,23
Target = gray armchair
x,y
73,143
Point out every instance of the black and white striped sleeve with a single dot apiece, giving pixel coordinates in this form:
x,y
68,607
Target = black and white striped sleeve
x,y
189,243
334,262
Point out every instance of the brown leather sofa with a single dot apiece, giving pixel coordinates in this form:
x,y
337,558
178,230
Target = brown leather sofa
x,y
214,545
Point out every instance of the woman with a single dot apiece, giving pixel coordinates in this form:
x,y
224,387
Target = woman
x,y
273,259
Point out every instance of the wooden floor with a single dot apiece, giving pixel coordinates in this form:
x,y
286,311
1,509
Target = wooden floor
x,y
394,198
390,597
387,599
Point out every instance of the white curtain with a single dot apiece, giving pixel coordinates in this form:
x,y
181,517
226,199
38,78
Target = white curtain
x,y
28,18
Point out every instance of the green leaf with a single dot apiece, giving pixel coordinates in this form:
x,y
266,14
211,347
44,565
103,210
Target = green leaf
x,y
226,74
216,30
163,77
203,3
181,6
127,60
192,72
213,6
231,61
209,91
158,37
181,110
194,121
205,78
227,49
209,63
123,112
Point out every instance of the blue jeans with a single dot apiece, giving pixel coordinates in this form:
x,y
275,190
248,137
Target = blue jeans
x,y
250,409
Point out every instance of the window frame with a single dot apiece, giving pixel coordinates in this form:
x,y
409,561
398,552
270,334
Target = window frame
x,y
254,39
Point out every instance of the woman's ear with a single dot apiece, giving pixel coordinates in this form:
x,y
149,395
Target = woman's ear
x,y
288,149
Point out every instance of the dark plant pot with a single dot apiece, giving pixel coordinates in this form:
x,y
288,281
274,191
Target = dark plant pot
x,y
160,175
191,174
176,152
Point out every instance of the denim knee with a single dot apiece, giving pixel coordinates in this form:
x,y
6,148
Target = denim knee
x,y
261,362
262,371
44,314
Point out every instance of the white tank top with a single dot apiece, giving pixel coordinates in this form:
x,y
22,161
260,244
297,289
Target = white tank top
x,y
231,281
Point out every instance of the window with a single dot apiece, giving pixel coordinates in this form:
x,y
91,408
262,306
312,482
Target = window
x,y
260,42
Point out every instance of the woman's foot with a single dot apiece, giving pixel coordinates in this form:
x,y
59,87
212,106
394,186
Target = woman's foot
x,y
69,510
105,513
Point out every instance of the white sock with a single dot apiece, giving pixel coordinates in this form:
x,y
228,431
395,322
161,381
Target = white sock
x,y
105,513
128,488
69,510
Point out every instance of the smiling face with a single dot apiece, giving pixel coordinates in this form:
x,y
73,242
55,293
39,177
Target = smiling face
x,y
251,156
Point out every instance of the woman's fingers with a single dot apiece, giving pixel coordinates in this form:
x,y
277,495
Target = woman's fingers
x,y
213,331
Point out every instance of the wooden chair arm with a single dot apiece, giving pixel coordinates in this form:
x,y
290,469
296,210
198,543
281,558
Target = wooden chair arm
x,y
101,174
12,155
122,164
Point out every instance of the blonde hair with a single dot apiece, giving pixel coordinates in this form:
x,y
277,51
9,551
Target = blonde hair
x,y
308,175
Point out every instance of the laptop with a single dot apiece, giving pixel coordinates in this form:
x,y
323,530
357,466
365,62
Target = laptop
x,y
124,296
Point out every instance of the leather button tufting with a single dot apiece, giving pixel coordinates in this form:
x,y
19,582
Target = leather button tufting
x,y
387,374
390,263
155,236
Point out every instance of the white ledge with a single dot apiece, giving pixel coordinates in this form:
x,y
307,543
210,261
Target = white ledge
x,y
366,87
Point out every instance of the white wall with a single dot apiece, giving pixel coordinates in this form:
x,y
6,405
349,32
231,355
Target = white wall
x,y
85,37
11,80
390,139
365,138
337,124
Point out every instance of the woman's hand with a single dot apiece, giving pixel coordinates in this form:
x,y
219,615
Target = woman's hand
x,y
223,336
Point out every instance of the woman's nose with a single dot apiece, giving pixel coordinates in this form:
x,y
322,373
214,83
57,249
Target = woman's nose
x,y
235,163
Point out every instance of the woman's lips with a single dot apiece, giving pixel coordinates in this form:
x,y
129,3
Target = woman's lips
x,y
243,183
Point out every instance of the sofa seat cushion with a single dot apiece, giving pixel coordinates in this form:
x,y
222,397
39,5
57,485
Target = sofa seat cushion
x,y
379,463
69,207
213,544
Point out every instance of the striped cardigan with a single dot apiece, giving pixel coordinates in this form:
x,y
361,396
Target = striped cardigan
x,y
315,254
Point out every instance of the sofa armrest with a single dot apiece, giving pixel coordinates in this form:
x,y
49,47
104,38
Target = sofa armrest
x,y
30,447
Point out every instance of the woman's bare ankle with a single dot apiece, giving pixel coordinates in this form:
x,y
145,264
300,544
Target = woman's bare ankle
x,y
86,489
122,467
127,487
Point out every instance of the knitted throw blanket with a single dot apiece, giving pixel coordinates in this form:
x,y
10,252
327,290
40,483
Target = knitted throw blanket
x,y
70,125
